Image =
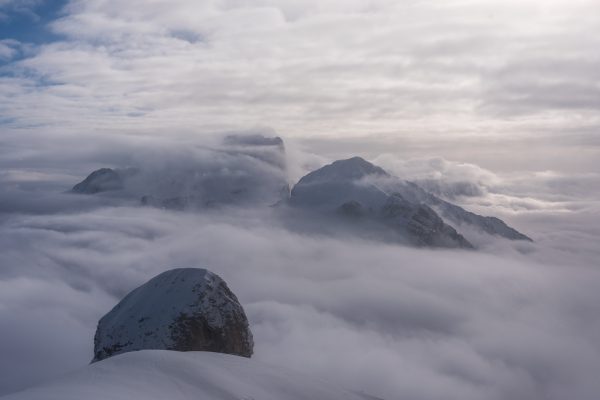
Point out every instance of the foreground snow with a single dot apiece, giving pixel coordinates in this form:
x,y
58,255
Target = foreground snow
x,y
160,374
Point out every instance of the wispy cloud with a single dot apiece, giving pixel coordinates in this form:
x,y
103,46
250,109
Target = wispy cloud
x,y
22,7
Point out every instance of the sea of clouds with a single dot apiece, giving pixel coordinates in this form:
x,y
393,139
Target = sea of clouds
x,y
492,105
511,320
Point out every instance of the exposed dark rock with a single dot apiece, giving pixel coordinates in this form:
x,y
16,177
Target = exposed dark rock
x,y
351,209
101,180
423,225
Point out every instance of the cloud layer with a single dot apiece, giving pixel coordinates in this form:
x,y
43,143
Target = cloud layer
x,y
317,68
392,321
515,320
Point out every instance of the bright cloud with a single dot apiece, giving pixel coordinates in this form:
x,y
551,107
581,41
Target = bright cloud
x,y
313,68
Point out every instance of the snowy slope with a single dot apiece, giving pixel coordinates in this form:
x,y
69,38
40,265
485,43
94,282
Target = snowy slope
x,y
353,187
161,375
425,218
454,214
337,183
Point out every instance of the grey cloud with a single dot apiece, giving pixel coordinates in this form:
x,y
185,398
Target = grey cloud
x,y
378,318
23,7
9,48
573,151
514,320
333,68
540,79
458,179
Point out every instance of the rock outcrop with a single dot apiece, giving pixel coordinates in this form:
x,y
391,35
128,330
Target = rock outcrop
x,y
101,180
183,309
421,224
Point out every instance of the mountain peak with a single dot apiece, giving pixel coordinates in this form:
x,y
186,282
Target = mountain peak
x,y
344,170
101,180
357,163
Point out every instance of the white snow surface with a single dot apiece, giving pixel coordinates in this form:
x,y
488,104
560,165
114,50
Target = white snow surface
x,y
162,374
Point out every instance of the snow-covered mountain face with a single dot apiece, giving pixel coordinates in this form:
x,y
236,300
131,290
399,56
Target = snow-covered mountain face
x,y
244,170
451,213
183,309
360,190
101,180
250,170
160,375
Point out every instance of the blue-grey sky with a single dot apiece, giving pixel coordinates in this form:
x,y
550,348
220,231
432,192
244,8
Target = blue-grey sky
x,y
27,21
320,69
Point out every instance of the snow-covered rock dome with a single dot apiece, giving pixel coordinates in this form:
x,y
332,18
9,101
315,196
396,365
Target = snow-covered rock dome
x,y
183,309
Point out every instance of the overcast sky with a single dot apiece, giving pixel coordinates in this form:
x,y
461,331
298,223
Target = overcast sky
x,y
312,68
499,97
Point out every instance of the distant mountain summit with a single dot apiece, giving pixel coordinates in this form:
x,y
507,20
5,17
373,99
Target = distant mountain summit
x,y
342,170
244,170
101,180
251,170
355,187
350,188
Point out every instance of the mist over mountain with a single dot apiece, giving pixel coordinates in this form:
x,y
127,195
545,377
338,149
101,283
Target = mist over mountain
x,y
354,190
246,170
357,187
324,281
